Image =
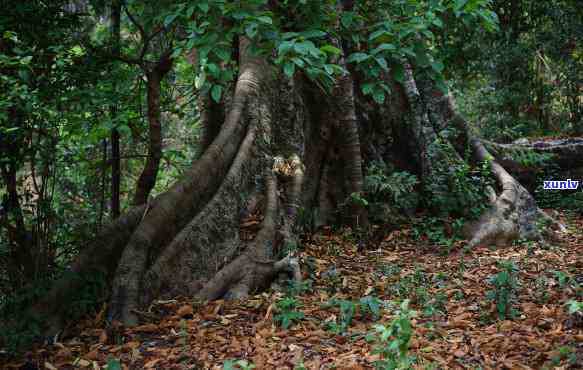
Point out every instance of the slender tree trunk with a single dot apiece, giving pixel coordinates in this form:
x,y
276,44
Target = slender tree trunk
x,y
349,145
147,179
115,139
212,117
18,235
103,184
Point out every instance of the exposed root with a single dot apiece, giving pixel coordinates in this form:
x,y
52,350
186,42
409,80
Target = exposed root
x,y
185,199
254,269
176,258
512,215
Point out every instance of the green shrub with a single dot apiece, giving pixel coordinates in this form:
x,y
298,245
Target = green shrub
x,y
504,294
286,311
392,341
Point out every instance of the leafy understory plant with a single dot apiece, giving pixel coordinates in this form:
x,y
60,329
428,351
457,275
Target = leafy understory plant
x,y
238,365
564,353
392,341
348,310
113,364
504,294
397,188
287,313
574,307
562,278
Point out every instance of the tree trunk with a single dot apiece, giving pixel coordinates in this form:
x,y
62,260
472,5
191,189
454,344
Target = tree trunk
x,y
147,179
115,151
278,147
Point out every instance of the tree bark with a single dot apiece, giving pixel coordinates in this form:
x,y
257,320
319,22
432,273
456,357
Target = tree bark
x,y
115,150
12,219
147,179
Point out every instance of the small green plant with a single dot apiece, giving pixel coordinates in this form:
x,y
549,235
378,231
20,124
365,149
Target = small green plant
x,y
286,312
574,307
541,290
392,341
333,282
562,278
359,199
388,269
183,336
238,365
371,304
300,365
348,309
505,287
564,353
435,305
396,188
113,364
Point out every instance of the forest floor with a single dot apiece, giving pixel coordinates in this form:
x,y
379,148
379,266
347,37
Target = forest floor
x,y
456,325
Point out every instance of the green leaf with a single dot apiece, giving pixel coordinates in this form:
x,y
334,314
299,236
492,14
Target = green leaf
x,y
442,86
313,34
26,60
422,58
377,34
251,30
176,53
113,364
204,7
459,4
289,69
382,62
306,47
284,47
299,62
190,11
437,22
330,49
216,92
399,73
379,96
346,19
367,88
214,70
357,58
222,53
265,19
408,52
383,47
169,19
437,66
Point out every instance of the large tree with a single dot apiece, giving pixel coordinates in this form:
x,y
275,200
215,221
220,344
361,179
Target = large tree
x,y
298,100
